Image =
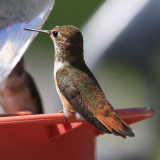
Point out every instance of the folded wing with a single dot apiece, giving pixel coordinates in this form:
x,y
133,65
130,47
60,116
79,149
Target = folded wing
x,y
85,95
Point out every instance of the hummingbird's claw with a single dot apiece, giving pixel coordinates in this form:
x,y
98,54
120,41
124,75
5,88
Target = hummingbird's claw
x,y
61,111
65,115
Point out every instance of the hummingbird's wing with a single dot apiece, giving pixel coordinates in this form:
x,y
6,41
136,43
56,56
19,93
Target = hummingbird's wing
x,y
85,95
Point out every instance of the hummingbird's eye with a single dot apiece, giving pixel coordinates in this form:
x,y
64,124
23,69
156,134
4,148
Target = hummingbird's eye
x,y
55,34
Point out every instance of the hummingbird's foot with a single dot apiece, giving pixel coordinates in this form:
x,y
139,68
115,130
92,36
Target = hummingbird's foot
x,y
65,115
61,111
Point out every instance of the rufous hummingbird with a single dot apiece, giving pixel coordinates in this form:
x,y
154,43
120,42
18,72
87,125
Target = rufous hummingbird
x,y
77,87
19,92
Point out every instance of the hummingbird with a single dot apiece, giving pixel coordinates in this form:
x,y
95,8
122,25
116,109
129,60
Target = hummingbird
x,y
77,87
19,93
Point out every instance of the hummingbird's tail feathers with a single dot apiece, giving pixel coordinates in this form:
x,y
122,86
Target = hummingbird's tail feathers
x,y
115,124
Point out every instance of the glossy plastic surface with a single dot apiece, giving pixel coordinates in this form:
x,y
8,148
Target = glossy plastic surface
x,y
49,136
14,40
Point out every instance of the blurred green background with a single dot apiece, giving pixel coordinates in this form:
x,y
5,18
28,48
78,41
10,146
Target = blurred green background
x,y
128,70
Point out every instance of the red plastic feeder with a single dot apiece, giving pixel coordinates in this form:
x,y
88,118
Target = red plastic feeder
x,y
48,136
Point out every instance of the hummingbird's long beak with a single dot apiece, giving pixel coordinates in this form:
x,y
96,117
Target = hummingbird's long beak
x,y
37,30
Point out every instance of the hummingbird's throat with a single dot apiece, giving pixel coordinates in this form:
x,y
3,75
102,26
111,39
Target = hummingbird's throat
x,y
68,54
66,57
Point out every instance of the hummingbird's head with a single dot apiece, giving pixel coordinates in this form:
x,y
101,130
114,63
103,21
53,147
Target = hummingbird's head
x,y
68,42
